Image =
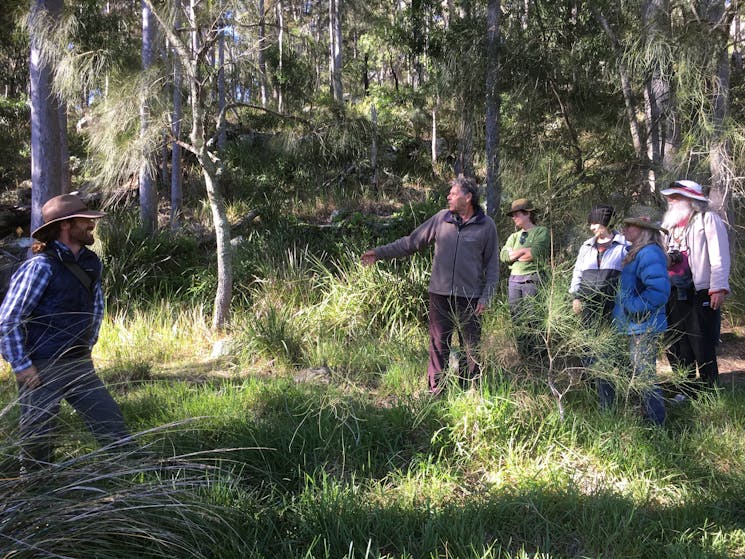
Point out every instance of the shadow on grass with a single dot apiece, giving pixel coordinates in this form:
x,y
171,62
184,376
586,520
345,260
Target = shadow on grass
x,y
320,461
545,523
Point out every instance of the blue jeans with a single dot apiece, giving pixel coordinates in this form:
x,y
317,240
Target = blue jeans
x,y
76,381
643,356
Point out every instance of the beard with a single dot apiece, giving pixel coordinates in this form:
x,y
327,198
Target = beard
x,y
677,214
82,235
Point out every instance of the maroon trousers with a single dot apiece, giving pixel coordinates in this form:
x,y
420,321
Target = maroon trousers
x,y
446,315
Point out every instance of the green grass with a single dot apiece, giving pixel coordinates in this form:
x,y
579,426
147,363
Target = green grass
x,y
260,460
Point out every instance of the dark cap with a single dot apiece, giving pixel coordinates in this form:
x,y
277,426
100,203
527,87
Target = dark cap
x,y
602,214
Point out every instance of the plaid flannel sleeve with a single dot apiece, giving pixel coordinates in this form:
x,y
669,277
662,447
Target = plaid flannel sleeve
x,y
26,288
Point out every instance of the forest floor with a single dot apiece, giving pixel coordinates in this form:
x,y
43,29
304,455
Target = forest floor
x,y
731,358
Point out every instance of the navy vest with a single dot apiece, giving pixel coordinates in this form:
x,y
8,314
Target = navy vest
x,y
61,322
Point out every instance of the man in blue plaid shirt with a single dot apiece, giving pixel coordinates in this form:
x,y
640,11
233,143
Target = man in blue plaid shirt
x,y
49,322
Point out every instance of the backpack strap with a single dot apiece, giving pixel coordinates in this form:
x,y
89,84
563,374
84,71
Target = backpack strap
x,y
76,270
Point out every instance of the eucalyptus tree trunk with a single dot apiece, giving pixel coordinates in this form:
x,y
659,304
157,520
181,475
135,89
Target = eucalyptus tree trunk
x,y
464,156
493,185
662,129
46,157
176,191
280,46
374,148
262,55
221,137
433,144
224,294
148,207
65,174
721,164
193,59
335,56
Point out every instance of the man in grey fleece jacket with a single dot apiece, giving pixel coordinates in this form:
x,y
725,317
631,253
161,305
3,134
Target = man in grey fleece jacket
x,y
464,276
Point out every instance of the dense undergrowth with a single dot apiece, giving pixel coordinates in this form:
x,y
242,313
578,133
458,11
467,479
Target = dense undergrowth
x,y
311,434
306,431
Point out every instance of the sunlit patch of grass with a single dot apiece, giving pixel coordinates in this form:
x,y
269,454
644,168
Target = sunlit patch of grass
x,y
150,338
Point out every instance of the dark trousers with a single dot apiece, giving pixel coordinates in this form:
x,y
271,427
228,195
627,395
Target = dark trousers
x,y
446,315
693,329
521,292
76,381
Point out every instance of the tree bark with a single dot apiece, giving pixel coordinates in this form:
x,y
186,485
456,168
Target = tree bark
x,y
176,191
374,147
46,159
192,60
662,129
335,55
261,55
721,165
148,205
222,137
65,173
280,46
493,185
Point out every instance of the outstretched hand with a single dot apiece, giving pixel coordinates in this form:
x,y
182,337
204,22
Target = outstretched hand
x,y
369,258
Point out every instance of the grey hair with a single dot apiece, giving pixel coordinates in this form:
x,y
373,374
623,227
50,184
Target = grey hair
x,y
468,185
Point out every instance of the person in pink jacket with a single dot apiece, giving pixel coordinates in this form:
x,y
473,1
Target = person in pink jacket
x,y
698,251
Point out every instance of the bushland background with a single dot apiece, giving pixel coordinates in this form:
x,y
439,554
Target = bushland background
x,y
247,153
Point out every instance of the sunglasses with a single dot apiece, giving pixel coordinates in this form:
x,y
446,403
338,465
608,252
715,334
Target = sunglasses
x,y
523,236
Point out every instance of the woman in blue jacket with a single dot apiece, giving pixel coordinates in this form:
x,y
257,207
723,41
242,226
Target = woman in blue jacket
x,y
640,307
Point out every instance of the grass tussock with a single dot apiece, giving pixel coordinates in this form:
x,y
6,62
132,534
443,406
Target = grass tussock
x,y
312,436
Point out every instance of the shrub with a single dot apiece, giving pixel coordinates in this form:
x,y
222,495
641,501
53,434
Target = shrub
x,y
143,268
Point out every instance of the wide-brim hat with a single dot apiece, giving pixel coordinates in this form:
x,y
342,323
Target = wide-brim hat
x,y
62,207
521,205
689,189
644,217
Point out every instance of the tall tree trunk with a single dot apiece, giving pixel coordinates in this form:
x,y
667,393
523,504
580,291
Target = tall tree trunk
x,y
262,53
222,136
192,60
721,165
148,207
335,46
662,131
493,185
433,146
176,192
223,296
46,159
464,158
280,45
374,148
65,173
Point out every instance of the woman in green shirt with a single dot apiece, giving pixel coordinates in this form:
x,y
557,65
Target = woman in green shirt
x,y
526,252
